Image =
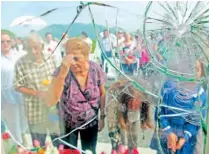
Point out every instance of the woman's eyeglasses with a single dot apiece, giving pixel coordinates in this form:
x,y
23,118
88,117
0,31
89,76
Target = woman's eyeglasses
x,y
7,41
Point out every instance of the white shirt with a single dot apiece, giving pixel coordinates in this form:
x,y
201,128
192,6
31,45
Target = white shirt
x,y
17,54
108,42
120,43
20,47
9,95
49,48
88,41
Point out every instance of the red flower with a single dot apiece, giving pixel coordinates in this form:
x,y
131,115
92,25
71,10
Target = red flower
x,y
135,151
69,151
102,152
76,152
5,136
126,152
49,49
121,148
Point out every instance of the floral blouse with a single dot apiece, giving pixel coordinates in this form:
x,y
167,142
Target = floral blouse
x,y
78,106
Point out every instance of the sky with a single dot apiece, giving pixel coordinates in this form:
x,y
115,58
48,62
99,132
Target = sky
x,y
129,14
102,15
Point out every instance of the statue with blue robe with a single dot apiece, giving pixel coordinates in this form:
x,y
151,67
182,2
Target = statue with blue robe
x,y
178,114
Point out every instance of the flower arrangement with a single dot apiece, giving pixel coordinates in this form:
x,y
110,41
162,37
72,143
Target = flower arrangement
x,y
123,150
20,150
69,151
5,136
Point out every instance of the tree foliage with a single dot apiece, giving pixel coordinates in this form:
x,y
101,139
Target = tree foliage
x,y
8,32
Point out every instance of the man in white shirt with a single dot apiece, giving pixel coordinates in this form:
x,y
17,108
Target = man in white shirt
x,y
49,47
119,43
107,44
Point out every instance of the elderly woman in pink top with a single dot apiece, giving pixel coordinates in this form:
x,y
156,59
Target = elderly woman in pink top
x,y
79,85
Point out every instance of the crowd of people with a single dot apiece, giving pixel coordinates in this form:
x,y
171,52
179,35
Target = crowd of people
x,y
128,48
38,75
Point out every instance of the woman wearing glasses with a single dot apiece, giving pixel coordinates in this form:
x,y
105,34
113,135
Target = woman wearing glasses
x,y
12,103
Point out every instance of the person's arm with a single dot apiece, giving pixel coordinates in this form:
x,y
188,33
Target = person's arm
x,y
20,84
189,131
102,100
164,123
101,82
27,91
19,81
57,85
102,107
165,126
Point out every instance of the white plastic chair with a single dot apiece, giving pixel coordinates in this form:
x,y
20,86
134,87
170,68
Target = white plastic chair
x,y
137,66
112,73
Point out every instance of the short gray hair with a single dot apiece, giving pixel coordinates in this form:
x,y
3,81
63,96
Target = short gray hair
x,y
35,37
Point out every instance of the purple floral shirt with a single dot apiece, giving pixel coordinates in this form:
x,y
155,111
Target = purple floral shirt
x,y
79,106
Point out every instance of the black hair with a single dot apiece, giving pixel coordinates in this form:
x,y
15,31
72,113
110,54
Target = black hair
x,y
84,33
144,110
125,98
48,33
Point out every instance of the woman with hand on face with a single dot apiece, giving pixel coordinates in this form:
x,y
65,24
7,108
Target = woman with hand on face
x,y
79,85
